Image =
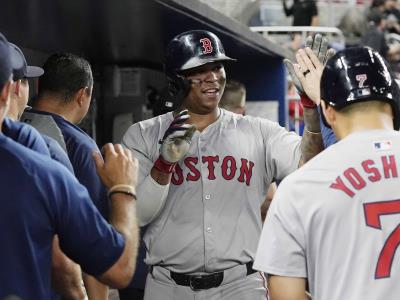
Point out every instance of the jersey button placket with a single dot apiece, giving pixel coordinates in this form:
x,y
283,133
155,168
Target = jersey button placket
x,y
209,239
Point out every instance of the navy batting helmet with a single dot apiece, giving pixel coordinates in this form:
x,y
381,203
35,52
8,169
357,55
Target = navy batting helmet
x,y
358,74
193,49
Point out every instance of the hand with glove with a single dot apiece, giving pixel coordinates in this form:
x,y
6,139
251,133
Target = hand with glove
x,y
306,74
175,143
172,96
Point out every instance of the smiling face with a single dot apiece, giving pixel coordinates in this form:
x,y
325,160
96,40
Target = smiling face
x,y
208,83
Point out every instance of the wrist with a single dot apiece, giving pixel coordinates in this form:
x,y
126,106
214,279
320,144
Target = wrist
x,y
312,132
307,102
125,189
164,166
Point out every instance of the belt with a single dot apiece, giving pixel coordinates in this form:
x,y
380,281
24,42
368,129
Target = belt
x,y
204,282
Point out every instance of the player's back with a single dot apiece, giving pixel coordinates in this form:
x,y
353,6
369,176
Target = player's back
x,y
351,217
29,182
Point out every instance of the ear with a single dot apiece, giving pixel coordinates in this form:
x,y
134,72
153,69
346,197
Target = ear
x,y
329,113
17,87
81,96
5,95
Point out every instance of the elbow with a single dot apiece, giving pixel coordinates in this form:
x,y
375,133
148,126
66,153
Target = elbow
x,y
120,274
145,218
148,207
120,277
124,278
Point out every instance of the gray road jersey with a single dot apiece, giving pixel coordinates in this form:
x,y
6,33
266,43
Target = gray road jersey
x,y
211,218
336,221
45,124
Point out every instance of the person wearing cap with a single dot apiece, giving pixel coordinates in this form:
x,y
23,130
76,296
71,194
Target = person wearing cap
x,y
203,175
66,275
41,198
20,77
346,231
23,133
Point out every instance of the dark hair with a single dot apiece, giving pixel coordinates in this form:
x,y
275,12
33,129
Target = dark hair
x,y
64,75
234,86
233,94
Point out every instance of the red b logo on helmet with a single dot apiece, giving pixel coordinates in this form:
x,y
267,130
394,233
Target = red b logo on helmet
x,y
207,46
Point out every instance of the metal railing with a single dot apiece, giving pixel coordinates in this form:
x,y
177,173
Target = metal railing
x,y
336,35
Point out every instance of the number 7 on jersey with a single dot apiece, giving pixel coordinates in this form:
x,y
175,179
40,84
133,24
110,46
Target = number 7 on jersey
x,y
373,212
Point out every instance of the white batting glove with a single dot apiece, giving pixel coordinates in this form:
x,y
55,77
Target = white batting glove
x,y
175,142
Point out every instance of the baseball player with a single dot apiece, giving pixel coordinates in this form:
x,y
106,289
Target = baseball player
x,y
66,275
342,237
234,100
19,100
202,179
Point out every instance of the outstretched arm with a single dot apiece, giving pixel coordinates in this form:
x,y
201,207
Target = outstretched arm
x,y
309,72
306,75
311,142
118,172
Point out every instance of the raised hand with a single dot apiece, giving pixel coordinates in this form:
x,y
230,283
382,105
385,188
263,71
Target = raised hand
x,y
306,74
177,138
319,46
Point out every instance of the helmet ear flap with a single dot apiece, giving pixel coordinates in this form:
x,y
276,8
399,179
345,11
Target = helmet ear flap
x,y
174,94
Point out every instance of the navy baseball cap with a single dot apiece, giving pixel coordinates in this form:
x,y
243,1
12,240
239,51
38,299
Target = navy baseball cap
x,y
25,71
9,61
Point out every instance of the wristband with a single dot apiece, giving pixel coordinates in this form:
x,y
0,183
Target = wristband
x,y
307,102
164,166
312,132
122,192
122,188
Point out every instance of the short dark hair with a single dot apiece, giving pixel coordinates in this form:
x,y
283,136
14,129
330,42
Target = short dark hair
x,y
233,93
363,106
64,75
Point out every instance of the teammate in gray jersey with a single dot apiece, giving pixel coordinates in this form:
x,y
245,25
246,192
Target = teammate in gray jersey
x,y
343,235
202,179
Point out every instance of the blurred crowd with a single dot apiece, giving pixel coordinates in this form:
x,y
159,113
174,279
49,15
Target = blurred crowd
x,y
368,23
377,27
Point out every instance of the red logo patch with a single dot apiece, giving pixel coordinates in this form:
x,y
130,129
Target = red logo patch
x,y
207,46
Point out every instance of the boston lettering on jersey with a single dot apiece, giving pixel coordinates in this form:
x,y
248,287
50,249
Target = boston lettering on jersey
x,y
373,172
230,169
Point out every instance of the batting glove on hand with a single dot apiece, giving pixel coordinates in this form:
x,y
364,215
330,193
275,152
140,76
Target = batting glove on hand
x,y
175,143
319,45
175,93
